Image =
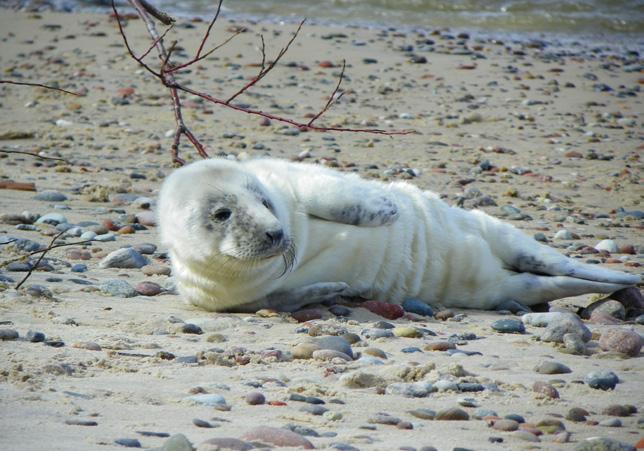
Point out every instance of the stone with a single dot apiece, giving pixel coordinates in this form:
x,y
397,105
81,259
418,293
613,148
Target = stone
x,y
611,307
452,414
564,234
607,245
375,352
224,444
551,367
545,389
156,270
526,436
550,426
314,409
123,258
410,390
79,422
35,337
602,444
146,218
277,437
255,398
383,418
8,334
617,410
118,288
146,288
79,267
418,307
207,399
362,379
146,248
573,344
439,346
423,414
505,425
50,196
577,414
557,325
329,355
52,219
334,343
508,326
406,332
621,340
384,309
177,442
611,423
128,442
308,314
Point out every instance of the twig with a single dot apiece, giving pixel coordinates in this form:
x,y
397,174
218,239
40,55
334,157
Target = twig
x,y
156,41
164,18
47,249
39,260
266,70
332,98
205,55
34,155
210,25
12,240
39,85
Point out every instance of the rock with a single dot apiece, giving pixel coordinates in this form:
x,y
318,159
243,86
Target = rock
x,y
613,308
452,414
146,218
526,436
413,390
557,325
329,355
8,334
340,310
277,437
124,258
602,380
146,248
224,444
156,270
621,340
189,328
406,332
611,423
564,234
573,344
481,413
35,337
607,245
545,389
334,343
148,288
210,400
361,379
79,422
308,314
118,288
617,410
444,315
314,409
418,307
376,352
577,414
304,350
79,267
377,333
384,309
178,442
550,367
439,346
128,442
550,426
383,418
508,326
89,345
505,425
602,444
255,398
52,219
423,414
50,196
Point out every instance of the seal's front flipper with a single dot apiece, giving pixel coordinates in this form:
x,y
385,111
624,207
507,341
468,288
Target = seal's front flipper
x,y
372,210
295,299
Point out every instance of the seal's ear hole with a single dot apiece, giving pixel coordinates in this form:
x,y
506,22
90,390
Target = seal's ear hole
x,y
267,204
222,214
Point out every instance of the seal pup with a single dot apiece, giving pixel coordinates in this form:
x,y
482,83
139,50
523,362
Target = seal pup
x,y
269,233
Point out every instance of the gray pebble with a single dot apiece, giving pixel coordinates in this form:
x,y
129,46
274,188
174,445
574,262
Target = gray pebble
x,y
52,218
35,337
603,444
8,334
602,380
128,442
124,258
550,367
508,326
118,288
611,423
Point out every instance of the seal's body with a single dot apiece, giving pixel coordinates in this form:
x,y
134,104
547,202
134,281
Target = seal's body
x,y
270,233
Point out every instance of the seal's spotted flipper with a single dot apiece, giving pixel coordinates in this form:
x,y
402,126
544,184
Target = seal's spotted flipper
x,y
295,299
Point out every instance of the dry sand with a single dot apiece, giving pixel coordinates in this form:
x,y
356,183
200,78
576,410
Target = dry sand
x,y
540,114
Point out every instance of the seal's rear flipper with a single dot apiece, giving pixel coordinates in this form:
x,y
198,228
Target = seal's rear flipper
x,y
533,289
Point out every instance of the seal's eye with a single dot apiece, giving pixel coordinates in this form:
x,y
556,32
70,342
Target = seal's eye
x,y
266,204
222,214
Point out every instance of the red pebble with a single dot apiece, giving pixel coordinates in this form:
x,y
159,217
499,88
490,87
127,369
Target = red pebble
x,y
306,315
326,64
384,309
125,92
276,403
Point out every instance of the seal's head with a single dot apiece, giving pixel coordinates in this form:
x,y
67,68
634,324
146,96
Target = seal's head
x,y
215,212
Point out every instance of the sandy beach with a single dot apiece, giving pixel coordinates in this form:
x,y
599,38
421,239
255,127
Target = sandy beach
x,y
545,135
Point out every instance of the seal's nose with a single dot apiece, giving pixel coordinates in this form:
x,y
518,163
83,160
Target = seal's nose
x,y
275,237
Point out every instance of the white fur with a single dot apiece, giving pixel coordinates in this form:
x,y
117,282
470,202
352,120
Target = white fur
x,y
431,251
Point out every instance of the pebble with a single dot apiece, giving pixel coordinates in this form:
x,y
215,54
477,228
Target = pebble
x,y
413,390
383,418
314,409
550,426
617,410
407,332
79,422
526,436
439,346
89,345
577,414
277,437
423,414
340,310
564,234
50,196
156,270
309,314
481,413
189,328
255,398
377,333
35,337
146,248
508,326
418,307
515,417
550,367
607,245
146,218
505,425
384,309
148,288
224,444
621,340
123,258
611,423
118,288
329,355
52,218
610,307
602,380
557,325
178,442
79,267
573,344
452,414
128,442
207,399
545,389
602,444
8,334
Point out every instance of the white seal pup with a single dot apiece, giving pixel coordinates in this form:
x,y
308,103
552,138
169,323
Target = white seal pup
x,y
269,233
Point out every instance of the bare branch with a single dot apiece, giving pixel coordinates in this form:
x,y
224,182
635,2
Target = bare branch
x,y
39,85
332,97
212,23
156,41
264,71
162,17
31,154
207,54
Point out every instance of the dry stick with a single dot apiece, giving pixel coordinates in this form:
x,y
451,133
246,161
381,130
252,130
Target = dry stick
x,y
205,55
47,249
39,85
34,155
210,25
156,41
332,98
164,18
270,67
